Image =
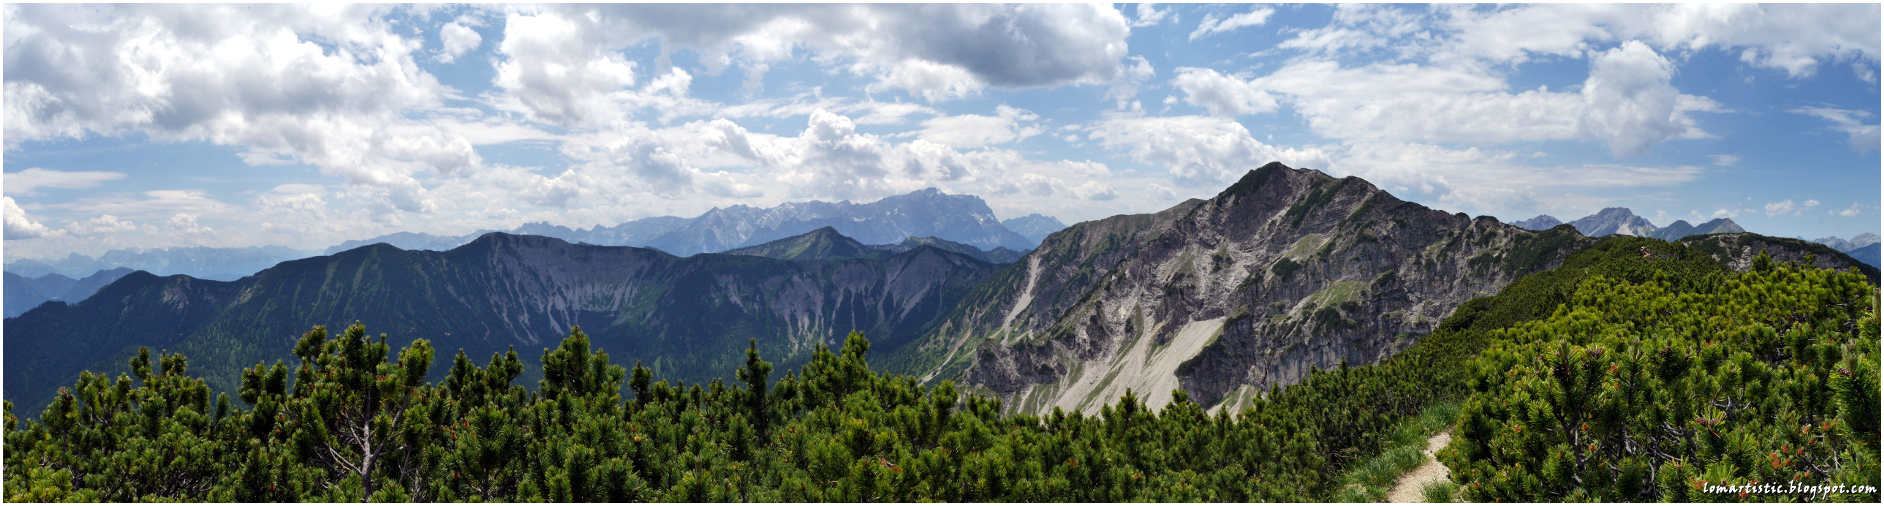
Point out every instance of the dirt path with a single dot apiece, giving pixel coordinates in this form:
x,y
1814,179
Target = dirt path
x,y
1408,489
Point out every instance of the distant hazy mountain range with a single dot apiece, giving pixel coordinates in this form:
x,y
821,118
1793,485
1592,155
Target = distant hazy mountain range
x,y
23,293
1867,254
1863,247
956,219
1861,240
1034,226
1621,221
826,244
964,219
221,264
1541,222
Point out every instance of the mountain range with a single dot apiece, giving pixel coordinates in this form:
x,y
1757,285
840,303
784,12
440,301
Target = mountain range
x,y
225,264
962,219
1035,227
687,316
24,293
1622,221
1285,272
827,244
1858,241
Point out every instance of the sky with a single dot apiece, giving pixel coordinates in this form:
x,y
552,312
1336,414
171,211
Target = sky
x,y
152,126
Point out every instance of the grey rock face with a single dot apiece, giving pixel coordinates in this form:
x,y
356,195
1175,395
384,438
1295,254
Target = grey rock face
x,y
1614,220
1737,252
1286,271
1027,297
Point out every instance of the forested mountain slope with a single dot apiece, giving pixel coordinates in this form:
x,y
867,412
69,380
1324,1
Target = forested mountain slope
x,y
688,316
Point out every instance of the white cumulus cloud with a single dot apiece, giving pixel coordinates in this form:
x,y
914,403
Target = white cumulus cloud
x,y
1197,150
458,39
102,225
1007,125
1626,102
1794,38
331,86
938,52
1222,95
1150,15
18,226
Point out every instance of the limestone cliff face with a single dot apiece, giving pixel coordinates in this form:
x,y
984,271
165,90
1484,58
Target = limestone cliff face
x,y
1286,271
1028,296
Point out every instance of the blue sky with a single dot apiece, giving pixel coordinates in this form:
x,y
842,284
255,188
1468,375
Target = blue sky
x,y
245,125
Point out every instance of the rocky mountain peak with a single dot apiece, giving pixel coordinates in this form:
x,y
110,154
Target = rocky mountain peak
x,y
1285,271
1541,222
1614,220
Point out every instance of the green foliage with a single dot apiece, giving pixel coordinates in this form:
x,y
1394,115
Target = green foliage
x,y
1284,268
1403,451
1657,387
1440,491
1330,319
352,421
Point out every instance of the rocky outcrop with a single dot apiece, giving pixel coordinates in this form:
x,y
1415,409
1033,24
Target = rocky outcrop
x,y
1027,297
1737,252
1614,220
1286,271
